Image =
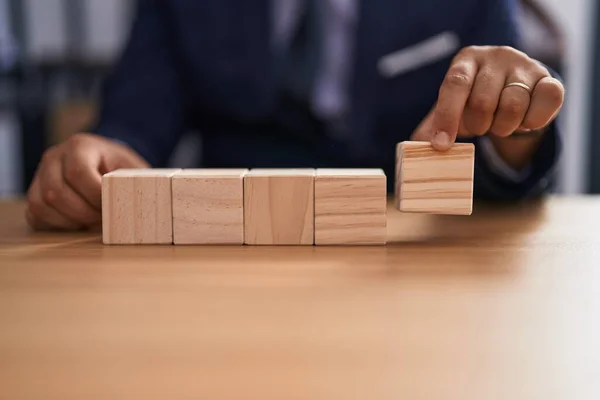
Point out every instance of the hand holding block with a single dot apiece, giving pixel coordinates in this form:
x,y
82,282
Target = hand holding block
x,y
436,182
350,207
279,207
136,206
208,206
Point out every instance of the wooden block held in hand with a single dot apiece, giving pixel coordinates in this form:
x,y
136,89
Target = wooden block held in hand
x,y
435,182
136,206
279,207
208,206
350,207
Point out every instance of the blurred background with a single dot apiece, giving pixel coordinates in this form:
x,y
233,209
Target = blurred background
x,y
55,53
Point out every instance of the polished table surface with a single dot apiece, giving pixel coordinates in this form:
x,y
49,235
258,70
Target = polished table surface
x,y
504,304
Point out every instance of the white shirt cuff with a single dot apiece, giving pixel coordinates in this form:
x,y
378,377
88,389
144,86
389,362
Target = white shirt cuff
x,y
498,165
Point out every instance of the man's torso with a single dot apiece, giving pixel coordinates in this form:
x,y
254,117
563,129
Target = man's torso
x,y
397,54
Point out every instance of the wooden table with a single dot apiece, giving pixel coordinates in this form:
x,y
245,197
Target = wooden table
x,y
504,304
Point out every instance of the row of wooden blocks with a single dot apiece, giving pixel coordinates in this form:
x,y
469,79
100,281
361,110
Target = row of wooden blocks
x,y
280,206
240,206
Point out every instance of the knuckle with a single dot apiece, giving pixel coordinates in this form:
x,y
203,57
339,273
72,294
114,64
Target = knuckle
x,y
73,172
50,196
502,50
483,105
513,106
78,141
458,77
468,51
540,70
509,53
487,76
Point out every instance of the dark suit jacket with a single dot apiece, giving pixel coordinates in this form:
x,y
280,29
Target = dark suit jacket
x,y
207,65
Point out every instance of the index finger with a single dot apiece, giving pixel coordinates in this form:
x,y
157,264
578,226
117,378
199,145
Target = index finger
x,y
453,96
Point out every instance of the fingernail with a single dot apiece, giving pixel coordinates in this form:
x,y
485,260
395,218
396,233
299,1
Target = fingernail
x,y
441,140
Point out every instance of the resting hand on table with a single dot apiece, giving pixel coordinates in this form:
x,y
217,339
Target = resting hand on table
x,y
498,91
66,190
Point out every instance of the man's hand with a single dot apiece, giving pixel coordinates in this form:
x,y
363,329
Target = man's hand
x,y
491,90
66,190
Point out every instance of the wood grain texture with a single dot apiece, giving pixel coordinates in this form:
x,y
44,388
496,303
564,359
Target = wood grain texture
x,y
350,207
137,206
279,207
501,305
430,181
208,206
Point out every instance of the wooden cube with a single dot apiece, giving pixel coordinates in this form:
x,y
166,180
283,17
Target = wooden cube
x,y
208,206
136,206
350,207
279,207
435,182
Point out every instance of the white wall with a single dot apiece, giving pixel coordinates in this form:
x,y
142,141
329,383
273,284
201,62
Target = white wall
x,y
104,20
10,150
107,27
7,44
46,34
9,140
576,18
